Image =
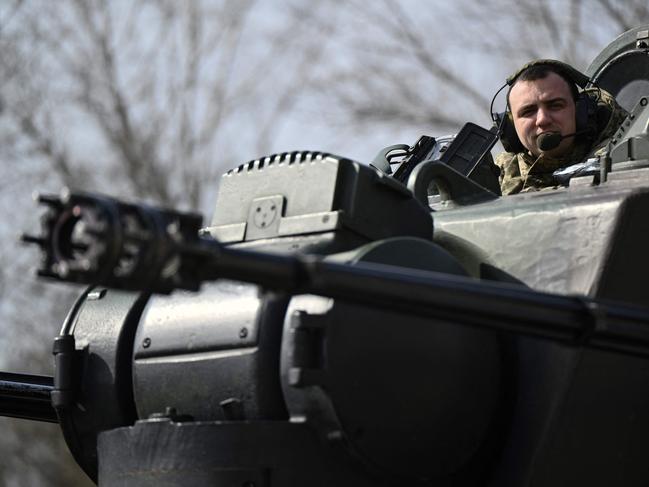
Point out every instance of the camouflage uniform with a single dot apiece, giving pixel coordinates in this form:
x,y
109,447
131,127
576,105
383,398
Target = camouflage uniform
x,y
525,172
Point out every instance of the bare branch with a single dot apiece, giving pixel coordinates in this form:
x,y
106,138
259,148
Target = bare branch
x,y
615,14
45,145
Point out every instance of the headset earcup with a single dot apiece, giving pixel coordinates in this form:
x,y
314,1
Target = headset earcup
x,y
585,113
508,136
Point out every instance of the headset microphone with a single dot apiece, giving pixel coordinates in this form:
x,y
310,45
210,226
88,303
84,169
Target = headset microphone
x,y
551,140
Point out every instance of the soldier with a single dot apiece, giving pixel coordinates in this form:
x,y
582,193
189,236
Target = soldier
x,y
550,123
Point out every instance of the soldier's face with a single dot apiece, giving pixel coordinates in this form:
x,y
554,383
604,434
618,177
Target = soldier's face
x,y
540,106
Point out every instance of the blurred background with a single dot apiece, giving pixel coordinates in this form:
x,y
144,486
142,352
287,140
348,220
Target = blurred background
x,y
154,99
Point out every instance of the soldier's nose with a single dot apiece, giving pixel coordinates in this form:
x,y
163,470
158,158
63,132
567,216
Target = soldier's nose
x,y
542,117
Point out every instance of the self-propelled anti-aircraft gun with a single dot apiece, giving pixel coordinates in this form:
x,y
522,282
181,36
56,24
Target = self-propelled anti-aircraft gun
x,y
336,325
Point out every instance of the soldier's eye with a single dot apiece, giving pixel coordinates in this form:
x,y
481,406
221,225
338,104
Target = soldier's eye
x,y
526,112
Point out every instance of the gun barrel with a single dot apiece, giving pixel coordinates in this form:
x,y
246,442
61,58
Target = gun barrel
x,y
27,396
158,250
574,320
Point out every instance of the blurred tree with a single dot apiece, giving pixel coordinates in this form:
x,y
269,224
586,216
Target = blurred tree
x,y
148,95
150,100
411,67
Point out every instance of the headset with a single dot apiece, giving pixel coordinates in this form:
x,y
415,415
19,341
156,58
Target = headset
x,y
585,106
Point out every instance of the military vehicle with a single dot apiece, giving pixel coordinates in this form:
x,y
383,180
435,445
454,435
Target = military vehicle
x,y
337,325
